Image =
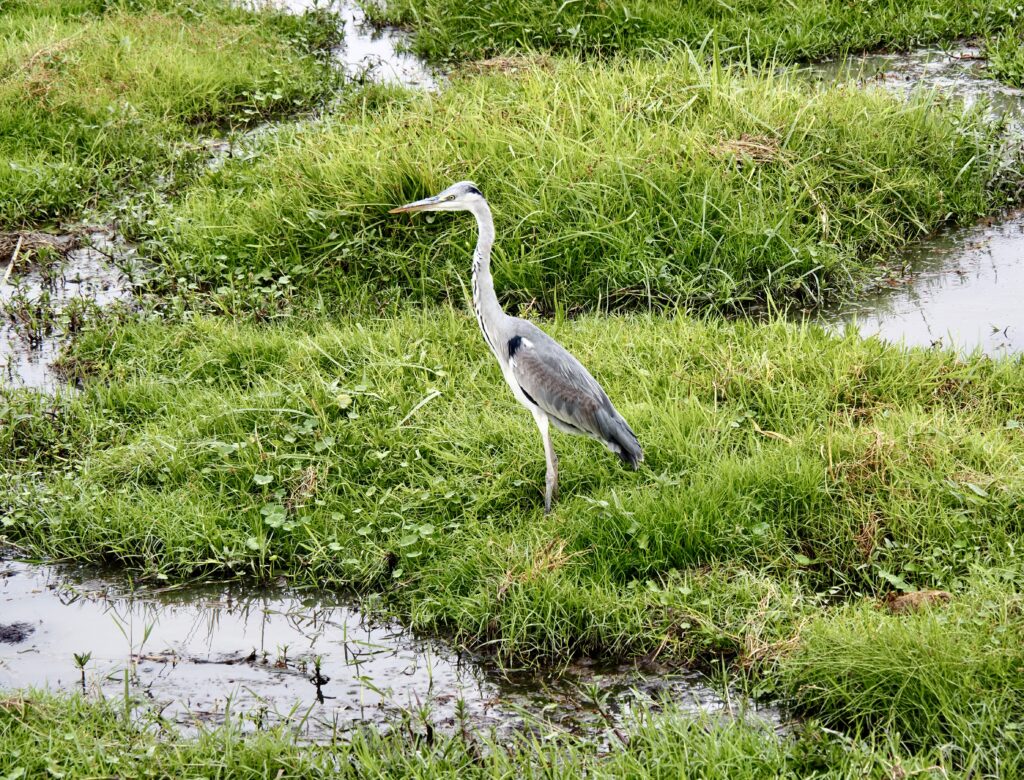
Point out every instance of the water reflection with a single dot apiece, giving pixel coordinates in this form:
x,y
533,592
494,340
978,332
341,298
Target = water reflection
x,y
963,289
47,285
367,52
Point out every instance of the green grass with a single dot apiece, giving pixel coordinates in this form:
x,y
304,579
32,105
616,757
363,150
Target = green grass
x,y
99,96
43,736
791,480
633,184
944,675
801,29
1006,57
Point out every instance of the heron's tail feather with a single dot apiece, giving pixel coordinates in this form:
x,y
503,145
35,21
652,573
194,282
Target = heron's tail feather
x,y
630,451
623,442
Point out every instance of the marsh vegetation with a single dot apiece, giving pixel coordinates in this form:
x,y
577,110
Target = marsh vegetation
x,y
829,522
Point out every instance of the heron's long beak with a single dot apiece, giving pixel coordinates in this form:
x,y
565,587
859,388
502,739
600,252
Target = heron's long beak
x,y
419,205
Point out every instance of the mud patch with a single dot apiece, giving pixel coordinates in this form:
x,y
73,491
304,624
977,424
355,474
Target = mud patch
x,y
210,653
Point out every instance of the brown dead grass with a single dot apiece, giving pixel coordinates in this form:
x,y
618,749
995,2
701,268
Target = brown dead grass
x,y
304,489
33,242
509,65
549,558
870,466
867,537
902,603
759,149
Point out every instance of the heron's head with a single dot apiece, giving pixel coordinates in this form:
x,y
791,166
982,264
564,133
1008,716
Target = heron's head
x,y
461,196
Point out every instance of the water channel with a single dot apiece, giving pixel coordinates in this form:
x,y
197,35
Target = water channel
x,y
960,287
203,654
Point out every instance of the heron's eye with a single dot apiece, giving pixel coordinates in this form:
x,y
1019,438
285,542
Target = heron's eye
x,y
450,197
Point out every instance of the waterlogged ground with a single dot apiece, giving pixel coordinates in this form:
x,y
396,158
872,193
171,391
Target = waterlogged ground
x,y
957,72
91,266
270,656
55,284
947,290
367,52
961,289
835,519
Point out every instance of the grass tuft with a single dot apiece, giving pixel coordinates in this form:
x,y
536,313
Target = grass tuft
x,y
98,96
1005,54
629,185
67,736
797,30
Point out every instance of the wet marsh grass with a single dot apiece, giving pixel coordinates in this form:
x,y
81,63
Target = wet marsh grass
x,y
615,186
95,96
1005,55
792,481
799,30
795,481
97,742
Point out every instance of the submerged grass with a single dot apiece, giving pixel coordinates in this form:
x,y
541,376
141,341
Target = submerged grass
x,y
70,738
795,30
632,184
96,96
792,480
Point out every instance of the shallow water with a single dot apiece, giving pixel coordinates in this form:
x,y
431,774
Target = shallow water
x,y
197,654
370,53
961,287
93,266
957,72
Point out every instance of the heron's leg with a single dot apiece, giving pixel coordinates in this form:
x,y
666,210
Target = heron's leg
x,y
551,482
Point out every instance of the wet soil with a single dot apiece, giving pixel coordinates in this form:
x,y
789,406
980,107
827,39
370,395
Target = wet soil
x,y
206,653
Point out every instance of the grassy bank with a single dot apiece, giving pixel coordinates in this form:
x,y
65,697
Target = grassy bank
x,y
97,96
792,482
802,29
630,185
68,738
1006,57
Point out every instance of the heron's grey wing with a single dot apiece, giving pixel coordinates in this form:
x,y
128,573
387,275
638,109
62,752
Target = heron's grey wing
x,y
558,384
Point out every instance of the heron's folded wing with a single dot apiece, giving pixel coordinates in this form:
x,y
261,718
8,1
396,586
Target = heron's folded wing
x,y
559,384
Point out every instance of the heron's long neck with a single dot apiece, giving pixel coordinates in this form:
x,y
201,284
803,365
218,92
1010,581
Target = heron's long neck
x,y
485,300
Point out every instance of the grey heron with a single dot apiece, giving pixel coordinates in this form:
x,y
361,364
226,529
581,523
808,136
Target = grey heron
x,y
544,377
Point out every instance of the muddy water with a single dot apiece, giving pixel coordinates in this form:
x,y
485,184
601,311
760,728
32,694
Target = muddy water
x,y
47,293
208,653
962,287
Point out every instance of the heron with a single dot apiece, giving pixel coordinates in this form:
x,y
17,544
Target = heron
x,y
544,377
